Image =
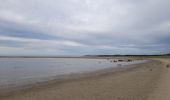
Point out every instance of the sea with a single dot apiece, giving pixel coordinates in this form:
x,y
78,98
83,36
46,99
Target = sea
x,y
23,71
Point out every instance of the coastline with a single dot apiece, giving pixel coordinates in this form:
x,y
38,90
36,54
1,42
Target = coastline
x,y
19,77
133,81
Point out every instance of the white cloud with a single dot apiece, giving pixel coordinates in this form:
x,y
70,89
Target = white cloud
x,y
99,24
42,42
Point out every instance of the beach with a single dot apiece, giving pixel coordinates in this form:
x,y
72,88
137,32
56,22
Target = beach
x,y
145,81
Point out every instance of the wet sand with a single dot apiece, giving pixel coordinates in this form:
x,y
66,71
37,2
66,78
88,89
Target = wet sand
x,y
149,81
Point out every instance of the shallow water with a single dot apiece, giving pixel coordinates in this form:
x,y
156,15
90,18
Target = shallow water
x,y
15,71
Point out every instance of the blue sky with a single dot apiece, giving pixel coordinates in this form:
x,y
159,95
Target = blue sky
x,y
80,27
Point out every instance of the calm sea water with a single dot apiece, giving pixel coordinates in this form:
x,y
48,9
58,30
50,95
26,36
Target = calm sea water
x,y
16,71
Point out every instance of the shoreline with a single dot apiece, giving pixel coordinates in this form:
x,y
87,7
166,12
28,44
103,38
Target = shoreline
x,y
69,77
40,88
30,81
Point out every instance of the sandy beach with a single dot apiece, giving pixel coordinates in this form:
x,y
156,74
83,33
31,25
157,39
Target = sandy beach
x,y
148,81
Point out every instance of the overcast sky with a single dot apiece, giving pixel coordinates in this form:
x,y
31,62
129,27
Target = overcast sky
x,y
80,27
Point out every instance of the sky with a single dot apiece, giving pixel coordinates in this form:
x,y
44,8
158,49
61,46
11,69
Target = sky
x,y
84,27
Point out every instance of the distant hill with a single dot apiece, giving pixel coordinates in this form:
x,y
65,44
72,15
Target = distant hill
x,y
124,55
82,56
167,54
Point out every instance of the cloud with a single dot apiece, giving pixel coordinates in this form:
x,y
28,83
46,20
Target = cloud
x,y
42,42
74,26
